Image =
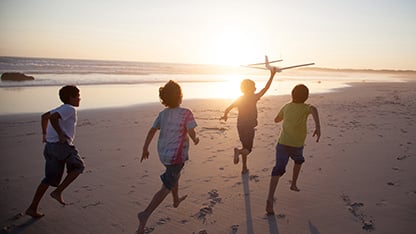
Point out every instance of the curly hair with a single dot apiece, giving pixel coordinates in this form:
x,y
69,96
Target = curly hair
x,y
171,94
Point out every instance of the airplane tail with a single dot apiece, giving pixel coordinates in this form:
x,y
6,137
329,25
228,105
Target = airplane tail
x,y
266,62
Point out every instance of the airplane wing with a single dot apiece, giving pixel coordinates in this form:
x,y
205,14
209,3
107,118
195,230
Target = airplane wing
x,y
283,68
255,64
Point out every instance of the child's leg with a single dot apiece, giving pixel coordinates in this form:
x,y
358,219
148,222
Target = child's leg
x,y
33,208
156,200
176,199
296,171
244,154
236,155
75,166
246,135
282,158
270,197
57,193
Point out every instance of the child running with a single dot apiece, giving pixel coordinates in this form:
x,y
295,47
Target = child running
x,y
58,128
292,139
247,116
175,124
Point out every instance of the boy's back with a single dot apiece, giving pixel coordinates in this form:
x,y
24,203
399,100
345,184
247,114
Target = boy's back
x,y
173,143
294,128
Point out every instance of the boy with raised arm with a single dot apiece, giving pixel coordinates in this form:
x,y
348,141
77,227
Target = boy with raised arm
x,y
247,116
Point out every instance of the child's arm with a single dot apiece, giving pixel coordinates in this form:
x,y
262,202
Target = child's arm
x,y
279,116
278,119
192,135
149,137
44,122
225,116
273,71
315,116
54,119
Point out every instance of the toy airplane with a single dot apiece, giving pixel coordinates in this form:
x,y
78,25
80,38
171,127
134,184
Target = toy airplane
x,y
268,67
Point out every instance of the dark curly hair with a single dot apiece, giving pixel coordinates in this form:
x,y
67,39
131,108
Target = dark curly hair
x,y
171,94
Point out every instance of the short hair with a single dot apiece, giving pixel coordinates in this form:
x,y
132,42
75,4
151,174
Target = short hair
x,y
247,86
171,94
68,91
300,93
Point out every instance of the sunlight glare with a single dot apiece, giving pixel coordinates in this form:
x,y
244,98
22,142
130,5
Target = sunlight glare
x,y
233,49
230,88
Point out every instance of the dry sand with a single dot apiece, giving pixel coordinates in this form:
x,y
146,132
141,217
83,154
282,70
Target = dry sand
x,y
359,178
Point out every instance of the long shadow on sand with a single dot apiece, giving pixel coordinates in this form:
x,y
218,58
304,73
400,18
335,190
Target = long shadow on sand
x,y
273,229
313,229
19,225
272,224
246,189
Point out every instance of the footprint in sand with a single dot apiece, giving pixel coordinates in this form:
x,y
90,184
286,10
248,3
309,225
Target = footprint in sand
x,y
234,228
163,221
213,198
202,231
92,204
356,211
395,184
9,228
402,157
254,177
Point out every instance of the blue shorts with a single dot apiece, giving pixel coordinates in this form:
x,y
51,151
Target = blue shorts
x,y
283,152
57,155
246,135
171,176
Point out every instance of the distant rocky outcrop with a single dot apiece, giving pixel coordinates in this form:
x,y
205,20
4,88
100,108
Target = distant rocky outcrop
x,y
15,76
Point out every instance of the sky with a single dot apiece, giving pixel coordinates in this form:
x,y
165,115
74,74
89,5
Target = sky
x,y
358,34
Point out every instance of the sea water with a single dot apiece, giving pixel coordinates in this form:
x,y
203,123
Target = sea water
x,y
106,84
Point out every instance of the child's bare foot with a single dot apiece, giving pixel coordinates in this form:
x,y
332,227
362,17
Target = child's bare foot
x,y
142,219
244,171
236,154
269,207
58,196
35,214
294,188
176,203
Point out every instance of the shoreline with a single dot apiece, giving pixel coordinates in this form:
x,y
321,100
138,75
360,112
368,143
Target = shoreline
x,y
38,99
358,178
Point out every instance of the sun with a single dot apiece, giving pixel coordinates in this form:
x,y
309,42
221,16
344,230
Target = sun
x,y
233,48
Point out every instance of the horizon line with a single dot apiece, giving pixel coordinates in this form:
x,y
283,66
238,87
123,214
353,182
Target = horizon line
x,y
333,69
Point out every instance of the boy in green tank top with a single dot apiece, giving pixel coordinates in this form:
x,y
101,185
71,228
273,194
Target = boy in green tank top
x,y
292,139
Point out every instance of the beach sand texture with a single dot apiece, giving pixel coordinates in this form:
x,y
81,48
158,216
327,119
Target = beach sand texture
x,y
359,178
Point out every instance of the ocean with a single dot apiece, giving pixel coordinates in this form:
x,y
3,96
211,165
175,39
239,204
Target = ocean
x,y
106,84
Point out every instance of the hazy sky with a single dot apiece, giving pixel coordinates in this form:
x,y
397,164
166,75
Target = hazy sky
x,y
377,34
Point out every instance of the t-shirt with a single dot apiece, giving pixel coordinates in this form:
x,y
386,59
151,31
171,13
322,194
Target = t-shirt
x,y
247,110
173,143
294,128
67,122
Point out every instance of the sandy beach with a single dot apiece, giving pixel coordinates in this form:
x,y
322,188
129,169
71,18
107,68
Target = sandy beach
x,y
359,178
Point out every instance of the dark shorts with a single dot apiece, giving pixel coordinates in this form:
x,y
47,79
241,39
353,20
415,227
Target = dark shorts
x,y
283,152
57,155
246,135
171,176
